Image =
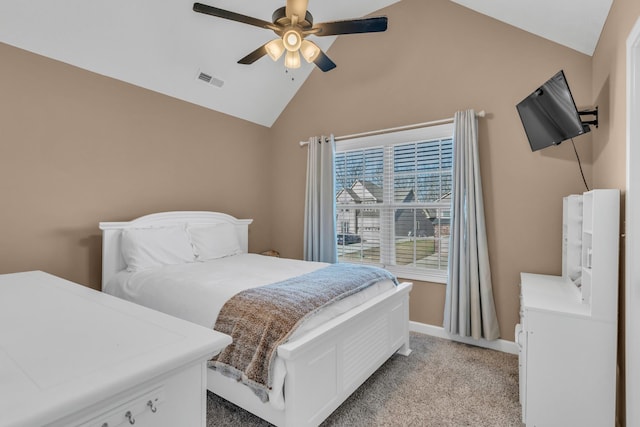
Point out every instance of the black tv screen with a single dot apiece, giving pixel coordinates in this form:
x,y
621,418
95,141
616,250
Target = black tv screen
x,y
549,115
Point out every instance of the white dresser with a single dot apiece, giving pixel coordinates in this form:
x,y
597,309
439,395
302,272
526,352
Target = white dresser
x,y
567,334
73,356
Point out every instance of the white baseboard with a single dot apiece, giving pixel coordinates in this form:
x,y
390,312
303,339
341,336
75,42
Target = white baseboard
x,y
438,331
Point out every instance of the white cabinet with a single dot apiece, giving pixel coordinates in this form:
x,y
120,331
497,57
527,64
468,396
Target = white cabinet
x,y
72,356
567,334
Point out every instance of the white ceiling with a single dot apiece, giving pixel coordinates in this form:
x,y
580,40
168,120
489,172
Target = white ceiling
x,y
573,23
164,45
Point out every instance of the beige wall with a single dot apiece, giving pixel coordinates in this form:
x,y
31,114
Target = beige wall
x,y
609,148
77,148
437,58
609,92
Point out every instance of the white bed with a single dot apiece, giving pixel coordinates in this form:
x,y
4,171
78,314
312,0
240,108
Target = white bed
x,y
323,363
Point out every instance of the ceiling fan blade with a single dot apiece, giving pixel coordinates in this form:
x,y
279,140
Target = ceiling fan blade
x,y
297,7
353,26
324,62
254,56
221,13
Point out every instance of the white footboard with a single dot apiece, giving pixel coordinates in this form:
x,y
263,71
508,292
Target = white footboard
x,y
325,366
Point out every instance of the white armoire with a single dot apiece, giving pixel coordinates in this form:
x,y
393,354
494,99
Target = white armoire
x,y
567,335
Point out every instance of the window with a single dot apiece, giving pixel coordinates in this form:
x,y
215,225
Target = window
x,y
393,201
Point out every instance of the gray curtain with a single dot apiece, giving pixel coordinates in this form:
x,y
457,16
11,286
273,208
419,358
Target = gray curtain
x,y
320,202
469,307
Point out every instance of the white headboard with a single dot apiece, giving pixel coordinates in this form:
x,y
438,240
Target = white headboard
x,y
112,261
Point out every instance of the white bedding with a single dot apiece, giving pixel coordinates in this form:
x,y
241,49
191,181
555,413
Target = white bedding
x,y
197,291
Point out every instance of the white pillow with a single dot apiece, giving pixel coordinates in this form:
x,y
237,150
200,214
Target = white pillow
x,y
214,241
144,248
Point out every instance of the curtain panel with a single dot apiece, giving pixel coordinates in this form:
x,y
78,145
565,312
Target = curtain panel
x,y
469,304
320,202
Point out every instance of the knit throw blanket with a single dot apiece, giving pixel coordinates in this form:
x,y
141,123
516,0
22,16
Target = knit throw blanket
x,y
260,319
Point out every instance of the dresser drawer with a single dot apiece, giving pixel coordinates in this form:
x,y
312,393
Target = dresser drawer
x,y
177,399
141,410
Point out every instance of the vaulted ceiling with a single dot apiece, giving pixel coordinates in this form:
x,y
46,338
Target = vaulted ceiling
x,y
165,47
573,23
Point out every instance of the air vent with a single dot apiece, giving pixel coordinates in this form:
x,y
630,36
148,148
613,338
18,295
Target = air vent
x,y
209,79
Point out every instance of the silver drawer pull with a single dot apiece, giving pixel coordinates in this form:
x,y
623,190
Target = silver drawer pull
x,y
129,416
151,406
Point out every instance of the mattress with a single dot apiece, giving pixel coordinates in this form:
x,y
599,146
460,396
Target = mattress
x,y
197,291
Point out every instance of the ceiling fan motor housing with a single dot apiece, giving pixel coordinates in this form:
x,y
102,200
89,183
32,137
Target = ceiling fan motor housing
x,y
279,18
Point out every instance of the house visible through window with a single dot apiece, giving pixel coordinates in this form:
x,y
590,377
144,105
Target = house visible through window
x,y
393,201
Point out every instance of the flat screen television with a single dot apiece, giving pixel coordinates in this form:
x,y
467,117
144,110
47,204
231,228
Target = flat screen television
x,y
549,115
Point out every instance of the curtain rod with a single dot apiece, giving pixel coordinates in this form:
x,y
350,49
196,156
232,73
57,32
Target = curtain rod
x,y
399,128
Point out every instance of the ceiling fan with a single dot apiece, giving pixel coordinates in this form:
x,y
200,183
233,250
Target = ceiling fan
x,y
293,23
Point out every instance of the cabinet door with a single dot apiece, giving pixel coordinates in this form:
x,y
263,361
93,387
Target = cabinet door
x,y
568,380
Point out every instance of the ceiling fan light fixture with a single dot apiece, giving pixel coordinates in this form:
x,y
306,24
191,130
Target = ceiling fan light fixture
x,y
292,23
275,49
309,50
292,59
292,40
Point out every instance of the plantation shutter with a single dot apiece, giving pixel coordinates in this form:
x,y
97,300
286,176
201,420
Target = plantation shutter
x,y
393,206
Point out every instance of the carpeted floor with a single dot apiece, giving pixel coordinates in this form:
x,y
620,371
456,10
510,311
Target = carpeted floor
x,y
442,383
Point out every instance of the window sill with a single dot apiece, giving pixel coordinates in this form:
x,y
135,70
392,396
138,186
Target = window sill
x,y
423,276
408,273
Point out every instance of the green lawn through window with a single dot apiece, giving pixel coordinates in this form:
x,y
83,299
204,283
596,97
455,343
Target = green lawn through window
x,y
404,251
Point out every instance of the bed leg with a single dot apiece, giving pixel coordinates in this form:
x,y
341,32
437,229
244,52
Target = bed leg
x,y
404,350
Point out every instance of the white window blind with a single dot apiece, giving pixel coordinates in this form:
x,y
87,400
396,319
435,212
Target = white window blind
x,y
393,200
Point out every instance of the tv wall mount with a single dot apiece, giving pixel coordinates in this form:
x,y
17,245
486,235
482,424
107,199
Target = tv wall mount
x,y
593,112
